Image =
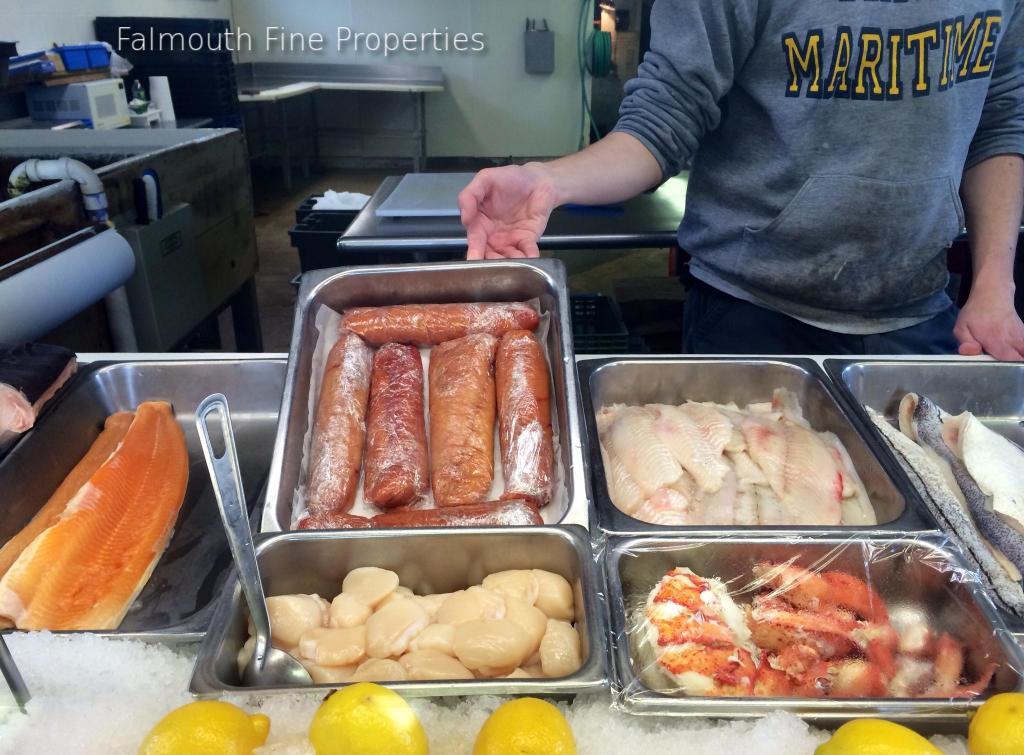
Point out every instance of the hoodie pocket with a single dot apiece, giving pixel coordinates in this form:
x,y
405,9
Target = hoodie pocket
x,y
856,244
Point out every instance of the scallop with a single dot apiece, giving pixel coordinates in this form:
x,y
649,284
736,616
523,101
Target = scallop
x,y
245,653
370,585
291,615
518,673
429,665
379,670
400,593
515,583
560,649
474,604
493,644
532,620
390,630
328,674
495,672
554,595
431,603
533,670
437,637
334,646
348,611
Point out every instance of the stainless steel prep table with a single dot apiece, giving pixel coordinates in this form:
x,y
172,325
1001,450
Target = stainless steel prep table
x,y
648,221
273,84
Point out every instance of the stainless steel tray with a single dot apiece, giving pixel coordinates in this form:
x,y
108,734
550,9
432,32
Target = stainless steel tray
x,y
176,604
429,560
543,280
675,380
903,570
992,391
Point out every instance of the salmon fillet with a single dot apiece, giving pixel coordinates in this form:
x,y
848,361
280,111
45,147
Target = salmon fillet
x,y
84,571
114,430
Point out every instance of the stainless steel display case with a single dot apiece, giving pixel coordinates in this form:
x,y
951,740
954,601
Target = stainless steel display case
x,y
675,380
176,603
543,280
426,561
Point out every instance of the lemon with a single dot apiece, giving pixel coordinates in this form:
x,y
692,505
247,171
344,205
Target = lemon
x,y
871,736
998,726
367,719
206,728
526,726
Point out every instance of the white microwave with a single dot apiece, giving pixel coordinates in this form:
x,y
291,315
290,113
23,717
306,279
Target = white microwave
x,y
100,104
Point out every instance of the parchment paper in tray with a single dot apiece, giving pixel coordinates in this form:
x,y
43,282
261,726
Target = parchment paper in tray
x,y
328,323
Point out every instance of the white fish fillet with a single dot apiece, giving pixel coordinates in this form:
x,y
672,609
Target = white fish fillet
x,y
717,464
746,470
746,505
719,507
668,508
788,404
996,464
714,426
632,439
800,469
857,508
690,445
622,489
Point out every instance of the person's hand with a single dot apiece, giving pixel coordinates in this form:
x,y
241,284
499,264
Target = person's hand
x,y
505,211
989,324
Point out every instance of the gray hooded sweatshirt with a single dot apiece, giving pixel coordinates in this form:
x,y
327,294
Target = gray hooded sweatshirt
x,y
827,140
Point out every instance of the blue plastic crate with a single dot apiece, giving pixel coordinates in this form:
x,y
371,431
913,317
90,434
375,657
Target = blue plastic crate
x,y
82,57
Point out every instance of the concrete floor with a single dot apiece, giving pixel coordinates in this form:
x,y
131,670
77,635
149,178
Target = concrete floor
x,y
589,270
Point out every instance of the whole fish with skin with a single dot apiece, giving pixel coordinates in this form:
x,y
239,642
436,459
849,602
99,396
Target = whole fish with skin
x,y
988,469
946,503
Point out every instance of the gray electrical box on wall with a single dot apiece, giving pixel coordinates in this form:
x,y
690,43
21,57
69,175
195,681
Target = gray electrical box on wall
x,y
539,46
166,293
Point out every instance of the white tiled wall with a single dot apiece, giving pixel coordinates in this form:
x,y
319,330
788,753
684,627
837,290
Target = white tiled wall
x,y
37,24
491,107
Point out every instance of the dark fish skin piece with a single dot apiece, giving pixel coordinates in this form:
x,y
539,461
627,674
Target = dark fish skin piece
x,y
33,368
927,419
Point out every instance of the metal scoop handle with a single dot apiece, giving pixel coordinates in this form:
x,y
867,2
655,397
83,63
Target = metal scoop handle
x,y
231,502
13,676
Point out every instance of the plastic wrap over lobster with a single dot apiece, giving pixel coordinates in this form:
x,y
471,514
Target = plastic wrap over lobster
x,y
523,386
824,627
432,324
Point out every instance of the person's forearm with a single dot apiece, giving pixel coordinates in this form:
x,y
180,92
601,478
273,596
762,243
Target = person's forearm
x,y
614,169
993,195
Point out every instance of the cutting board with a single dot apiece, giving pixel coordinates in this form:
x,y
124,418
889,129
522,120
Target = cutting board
x,y
420,195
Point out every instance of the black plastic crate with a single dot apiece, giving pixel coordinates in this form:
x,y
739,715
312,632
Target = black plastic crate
x,y
305,209
597,325
316,239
